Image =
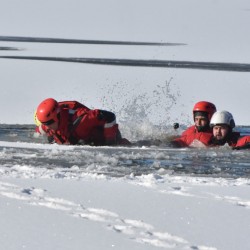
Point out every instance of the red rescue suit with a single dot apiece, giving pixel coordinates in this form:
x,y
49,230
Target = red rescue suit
x,y
243,143
81,125
192,134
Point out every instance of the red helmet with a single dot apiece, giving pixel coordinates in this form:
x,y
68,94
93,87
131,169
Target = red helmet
x,y
204,106
47,111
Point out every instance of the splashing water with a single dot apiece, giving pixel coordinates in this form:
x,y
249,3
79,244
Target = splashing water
x,y
144,114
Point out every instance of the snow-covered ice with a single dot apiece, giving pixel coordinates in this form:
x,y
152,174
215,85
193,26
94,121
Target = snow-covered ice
x,y
53,198
98,198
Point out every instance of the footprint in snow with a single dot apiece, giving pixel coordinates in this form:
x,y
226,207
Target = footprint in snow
x,y
137,230
234,200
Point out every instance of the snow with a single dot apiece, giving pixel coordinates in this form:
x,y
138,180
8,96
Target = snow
x,y
139,213
51,198
95,198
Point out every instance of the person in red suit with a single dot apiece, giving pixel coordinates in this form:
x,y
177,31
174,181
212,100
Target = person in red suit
x,y
222,123
200,132
70,122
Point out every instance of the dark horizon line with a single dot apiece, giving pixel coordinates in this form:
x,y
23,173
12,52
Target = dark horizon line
x,y
218,66
81,41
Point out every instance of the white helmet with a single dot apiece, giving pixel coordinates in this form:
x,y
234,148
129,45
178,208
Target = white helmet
x,y
222,117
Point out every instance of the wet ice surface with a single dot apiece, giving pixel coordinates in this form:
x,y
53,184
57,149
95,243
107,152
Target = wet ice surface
x,y
20,149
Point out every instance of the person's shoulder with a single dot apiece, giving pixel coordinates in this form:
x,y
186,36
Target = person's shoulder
x,y
190,129
243,142
182,140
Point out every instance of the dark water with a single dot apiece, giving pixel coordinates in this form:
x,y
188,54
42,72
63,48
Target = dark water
x,y
15,133
120,161
221,66
237,67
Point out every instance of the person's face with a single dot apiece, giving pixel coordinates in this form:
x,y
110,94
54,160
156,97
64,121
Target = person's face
x,y
220,131
51,124
200,121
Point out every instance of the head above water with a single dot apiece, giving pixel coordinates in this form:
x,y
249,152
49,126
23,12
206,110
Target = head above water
x,y
202,113
206,107
222,118
47,111
222,123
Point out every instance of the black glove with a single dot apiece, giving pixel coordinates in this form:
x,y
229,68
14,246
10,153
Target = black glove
x,y
176,125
